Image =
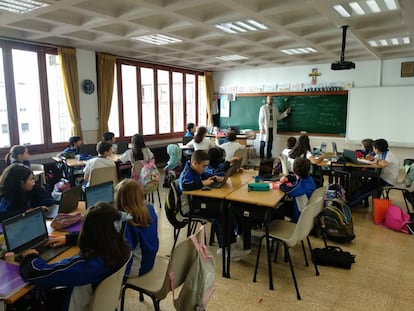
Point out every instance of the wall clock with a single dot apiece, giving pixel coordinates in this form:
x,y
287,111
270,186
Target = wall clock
x,y
87,86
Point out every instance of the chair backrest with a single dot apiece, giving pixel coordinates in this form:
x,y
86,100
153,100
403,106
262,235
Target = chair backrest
x,y
241,153
173,207
317,197
107,294
103,174
304,225
284,162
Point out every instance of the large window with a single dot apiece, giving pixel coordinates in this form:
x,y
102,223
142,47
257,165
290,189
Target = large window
x,y
33,109
156,101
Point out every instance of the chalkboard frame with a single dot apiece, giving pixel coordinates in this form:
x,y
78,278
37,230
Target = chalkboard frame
x,y
292,94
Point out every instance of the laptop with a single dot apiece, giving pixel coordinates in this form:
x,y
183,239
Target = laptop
x,y
99,193
219,184
68,202
350,156
88,149
187,139
121,147
33,225
266,170
335,149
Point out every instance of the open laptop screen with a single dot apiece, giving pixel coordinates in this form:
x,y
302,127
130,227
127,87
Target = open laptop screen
x,y
25,230
99,193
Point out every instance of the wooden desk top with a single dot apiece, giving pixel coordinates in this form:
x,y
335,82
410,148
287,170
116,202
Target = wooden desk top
x,y
269,198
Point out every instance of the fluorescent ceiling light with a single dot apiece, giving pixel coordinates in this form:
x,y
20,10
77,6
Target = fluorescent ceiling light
x,y
383,42
391,4
231,57
389,42
394,41
157,39
299,51
373,43
373,6
241,26
341,10
357,8
21,6
406,40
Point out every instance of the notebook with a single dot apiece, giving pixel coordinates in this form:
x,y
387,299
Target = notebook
x,y
99,193
266,170
350,156
33,224
68,202
219,184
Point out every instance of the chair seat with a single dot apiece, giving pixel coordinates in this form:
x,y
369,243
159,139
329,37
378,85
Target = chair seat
x,y
154,280
283,230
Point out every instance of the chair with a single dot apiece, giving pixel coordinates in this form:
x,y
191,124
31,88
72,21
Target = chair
x,y
317,198
406,187
107,294
289,234
284,162
148,196
103,174
174,215
250,138
156,283
40,172
241,153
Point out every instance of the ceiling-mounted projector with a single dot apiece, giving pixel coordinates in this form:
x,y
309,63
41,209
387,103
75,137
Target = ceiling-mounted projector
x,y
343,64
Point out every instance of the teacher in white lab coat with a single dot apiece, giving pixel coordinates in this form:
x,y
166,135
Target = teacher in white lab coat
x,y
268,117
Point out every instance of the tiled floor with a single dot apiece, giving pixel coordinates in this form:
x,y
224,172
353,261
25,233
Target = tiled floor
x,y
381,279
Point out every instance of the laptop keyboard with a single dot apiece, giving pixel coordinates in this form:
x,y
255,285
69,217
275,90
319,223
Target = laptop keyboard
x,y
46,252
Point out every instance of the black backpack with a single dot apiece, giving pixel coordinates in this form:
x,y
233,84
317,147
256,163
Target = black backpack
x,y
336,222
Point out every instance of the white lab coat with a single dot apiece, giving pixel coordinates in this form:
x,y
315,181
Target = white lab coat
x,y
264,119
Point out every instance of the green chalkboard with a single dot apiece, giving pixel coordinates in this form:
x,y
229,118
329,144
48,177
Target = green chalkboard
x,y
322,114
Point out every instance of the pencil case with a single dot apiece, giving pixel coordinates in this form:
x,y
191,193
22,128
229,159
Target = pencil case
x,y
258,186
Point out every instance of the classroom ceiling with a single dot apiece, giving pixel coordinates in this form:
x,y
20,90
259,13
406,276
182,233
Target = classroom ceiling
x,y
109,26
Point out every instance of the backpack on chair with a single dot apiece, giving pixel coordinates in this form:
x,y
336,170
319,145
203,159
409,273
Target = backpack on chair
x,y
148,176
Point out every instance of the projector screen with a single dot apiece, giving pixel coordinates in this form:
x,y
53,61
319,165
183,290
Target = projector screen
x,y
381,112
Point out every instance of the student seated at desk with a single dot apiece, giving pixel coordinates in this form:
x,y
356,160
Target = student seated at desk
x,y
103,159
200,142
290,143
231,145
388,163
74,143
110,138
18,154
139,151
218,165
191,129
367,149
194,177
140,231
103,251
299,187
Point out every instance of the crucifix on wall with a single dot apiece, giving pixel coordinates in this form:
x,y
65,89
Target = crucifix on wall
x,y
314,74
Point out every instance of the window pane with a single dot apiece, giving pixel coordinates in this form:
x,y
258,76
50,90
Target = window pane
x,y
164,101
148,104
113,122
190,92
60,122
4,119
178,104
130,99
28,105
202,103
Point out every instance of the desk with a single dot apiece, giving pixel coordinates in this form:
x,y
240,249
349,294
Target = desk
x,y
267,199
240,138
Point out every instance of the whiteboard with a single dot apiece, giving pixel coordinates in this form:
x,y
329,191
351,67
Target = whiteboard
x,y
381,112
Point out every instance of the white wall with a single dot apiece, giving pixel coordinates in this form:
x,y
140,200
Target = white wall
x,y
367,73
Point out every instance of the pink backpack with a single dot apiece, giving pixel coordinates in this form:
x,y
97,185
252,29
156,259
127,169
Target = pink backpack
x,y
396,219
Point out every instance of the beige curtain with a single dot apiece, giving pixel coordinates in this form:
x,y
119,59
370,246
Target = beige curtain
x,y
69,68
106,66
209,87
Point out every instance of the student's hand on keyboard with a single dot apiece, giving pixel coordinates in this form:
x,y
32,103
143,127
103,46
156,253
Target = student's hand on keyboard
x,y
30,251
57,240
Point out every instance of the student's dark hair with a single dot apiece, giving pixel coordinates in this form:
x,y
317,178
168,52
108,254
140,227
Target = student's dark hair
x,y
301,148
381,144
190,126
199,156
107,136
14,152
138,143
98,236
200,134
232,135
11,184
368,144
291,142
301,167
103,146
73,140
216,155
